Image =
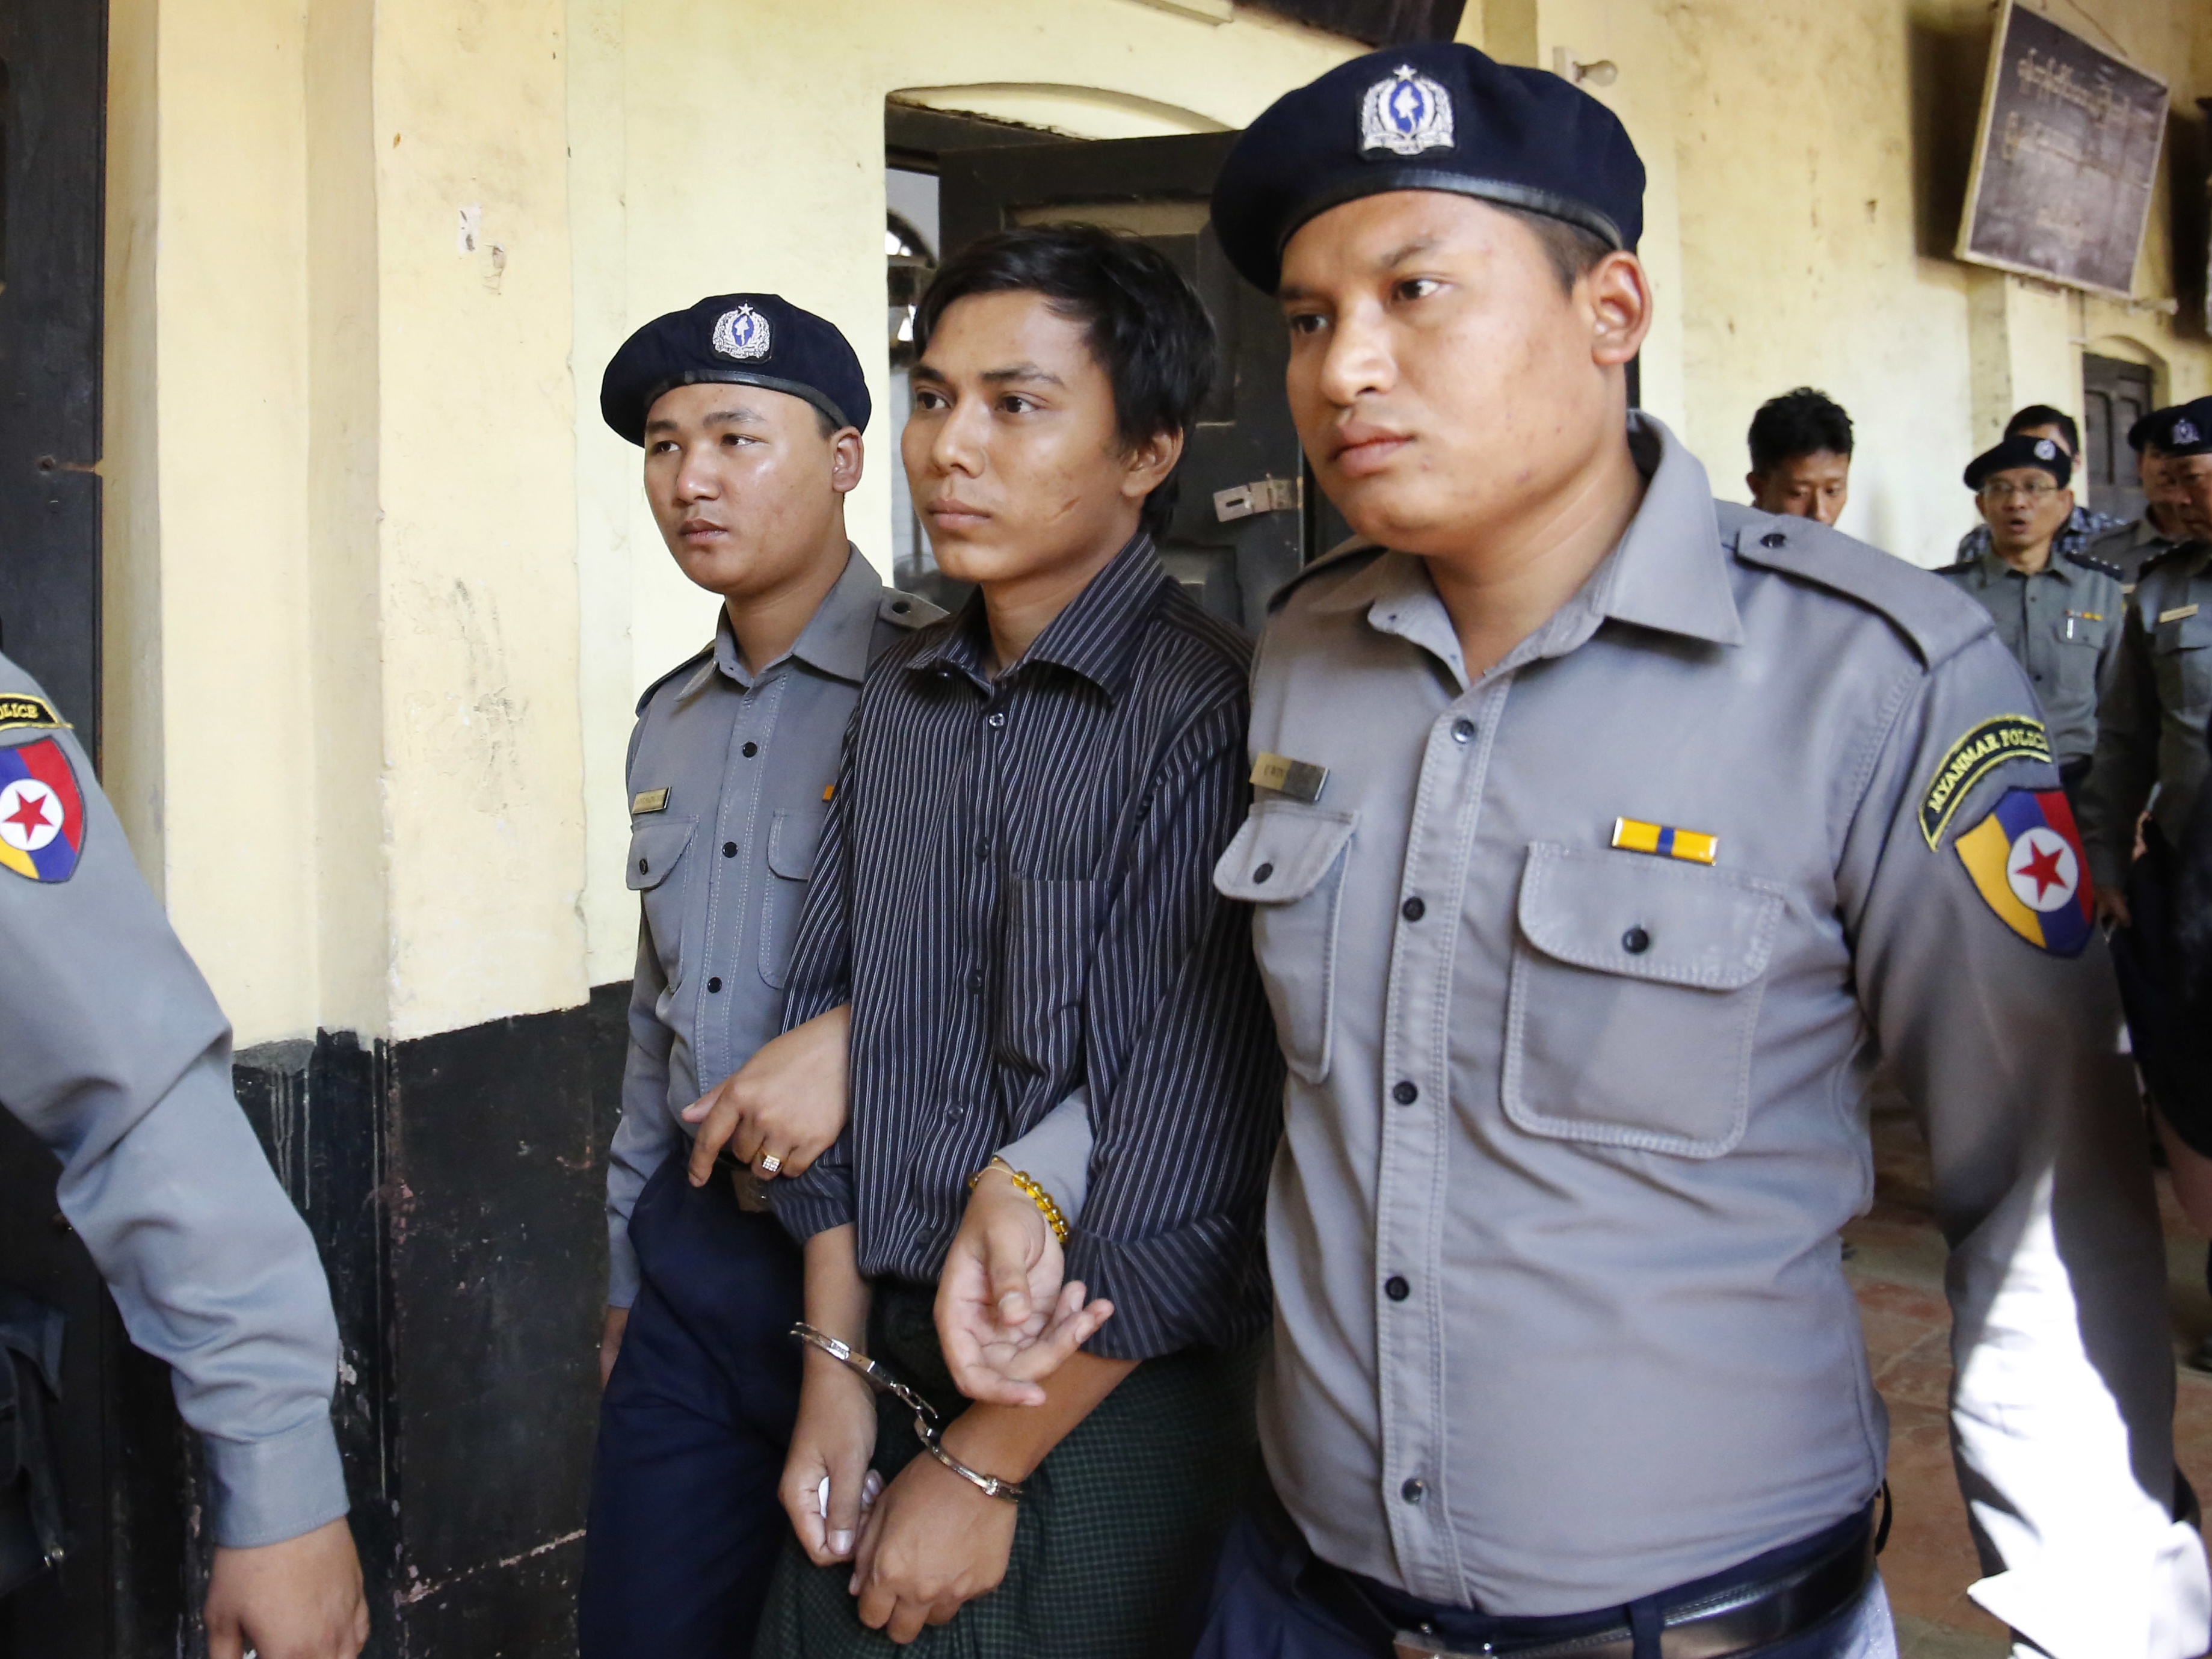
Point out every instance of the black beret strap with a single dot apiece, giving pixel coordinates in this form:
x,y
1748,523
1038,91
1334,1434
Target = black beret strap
x,y
1502,191
746,377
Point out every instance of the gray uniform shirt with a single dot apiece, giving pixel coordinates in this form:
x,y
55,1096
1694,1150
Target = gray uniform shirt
x,y
2063,625
729,776
2150,728
1570,1131
2130,547
113,1052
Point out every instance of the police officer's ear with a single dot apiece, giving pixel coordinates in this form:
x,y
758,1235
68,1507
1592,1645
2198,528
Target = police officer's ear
x,y
1615,294
848,456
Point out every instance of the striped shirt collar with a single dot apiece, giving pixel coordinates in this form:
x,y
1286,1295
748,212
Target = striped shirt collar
x,y
1095,636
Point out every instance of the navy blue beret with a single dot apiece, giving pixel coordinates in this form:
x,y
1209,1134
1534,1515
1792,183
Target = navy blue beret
x,y
2020,449
2182,429
1430,116
744,339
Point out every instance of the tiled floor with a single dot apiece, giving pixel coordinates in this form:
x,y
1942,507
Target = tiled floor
x,y
1897,1266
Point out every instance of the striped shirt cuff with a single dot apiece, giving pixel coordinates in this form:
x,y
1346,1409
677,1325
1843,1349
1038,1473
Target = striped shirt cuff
x,y
818,1200
1203,1285
268,1491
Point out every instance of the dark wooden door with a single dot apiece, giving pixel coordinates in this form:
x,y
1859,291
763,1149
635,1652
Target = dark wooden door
x,y
1246,514
2115,395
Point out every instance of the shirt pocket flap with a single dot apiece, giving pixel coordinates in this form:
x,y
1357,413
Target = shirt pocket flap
x,y
793,839
1283,850
1648,918
653,850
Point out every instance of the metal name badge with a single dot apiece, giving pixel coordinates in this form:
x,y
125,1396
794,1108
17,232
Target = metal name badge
x,y
741,333
649,800
1405,115
1299,779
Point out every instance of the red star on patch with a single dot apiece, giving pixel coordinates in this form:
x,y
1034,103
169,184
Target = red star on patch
x,y
30,813
2042,869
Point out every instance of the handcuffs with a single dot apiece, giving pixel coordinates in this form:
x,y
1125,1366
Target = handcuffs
x,y
926,1425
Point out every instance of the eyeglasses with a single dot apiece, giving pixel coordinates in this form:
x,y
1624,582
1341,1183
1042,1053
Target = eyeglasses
x,y
2026,492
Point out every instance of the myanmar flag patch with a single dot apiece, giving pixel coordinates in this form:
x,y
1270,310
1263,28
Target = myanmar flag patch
x,y
2025,860
41,812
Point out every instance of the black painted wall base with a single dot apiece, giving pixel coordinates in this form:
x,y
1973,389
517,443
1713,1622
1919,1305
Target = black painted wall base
x,y
454,1185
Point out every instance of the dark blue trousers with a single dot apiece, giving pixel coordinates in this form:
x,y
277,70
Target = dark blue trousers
x,y
684,1526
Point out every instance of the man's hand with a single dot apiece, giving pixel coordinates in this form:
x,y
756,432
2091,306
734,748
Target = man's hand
x,y
610,1342
833,1441
1005,1321
934,1544
297,1600
2112,908
786,1101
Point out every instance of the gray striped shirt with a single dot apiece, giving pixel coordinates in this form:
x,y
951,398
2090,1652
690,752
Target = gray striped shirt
x,y
1014,891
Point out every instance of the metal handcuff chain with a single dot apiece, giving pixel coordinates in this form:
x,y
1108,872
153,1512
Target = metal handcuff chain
x,y
926,1424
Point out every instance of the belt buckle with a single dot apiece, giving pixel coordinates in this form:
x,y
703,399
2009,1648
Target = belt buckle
x,y
1420,1644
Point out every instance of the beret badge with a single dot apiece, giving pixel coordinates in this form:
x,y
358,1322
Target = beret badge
x,y
742,333
2045,450
1404,114
2184,432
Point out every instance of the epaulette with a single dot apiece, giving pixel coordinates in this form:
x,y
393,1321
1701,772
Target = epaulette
x,y
1349,554
906,611
1933,616
691,661
2090,562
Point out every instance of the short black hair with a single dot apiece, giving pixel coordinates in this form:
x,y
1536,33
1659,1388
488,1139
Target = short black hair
x,y
1573,251
1804,421
2036,414
1145,324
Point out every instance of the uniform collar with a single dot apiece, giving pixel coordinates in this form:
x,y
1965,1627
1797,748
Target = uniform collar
x,y
1994,568
1668,573
1095,636
835,640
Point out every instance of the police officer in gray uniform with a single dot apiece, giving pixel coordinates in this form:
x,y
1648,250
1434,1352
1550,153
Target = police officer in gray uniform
x,y
2132,546
2058,613
749,411
113,1052
1605,838
2151,746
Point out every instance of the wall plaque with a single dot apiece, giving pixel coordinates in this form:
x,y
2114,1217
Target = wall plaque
x,y
2064,158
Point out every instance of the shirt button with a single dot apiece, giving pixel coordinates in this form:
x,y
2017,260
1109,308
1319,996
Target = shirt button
x,y
643,867
975,981
983,848
714,984
1414,1492
1635,941
996,721
1404,1094
1463,731
729,849
1396,1288
749,751
1773,538
1412,909
1263,873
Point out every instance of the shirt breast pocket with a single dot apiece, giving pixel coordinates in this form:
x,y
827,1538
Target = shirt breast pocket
x,y
1287,862
657,870
1043,969
1636,985
793,837
2183,662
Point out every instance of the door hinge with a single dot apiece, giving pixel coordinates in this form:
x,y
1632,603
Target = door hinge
x,y
1263,495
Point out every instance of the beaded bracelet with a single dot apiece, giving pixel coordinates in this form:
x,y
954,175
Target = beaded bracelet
x,y
1036,1194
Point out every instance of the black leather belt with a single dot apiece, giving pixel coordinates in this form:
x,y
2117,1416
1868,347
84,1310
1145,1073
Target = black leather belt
x,y
1737,1619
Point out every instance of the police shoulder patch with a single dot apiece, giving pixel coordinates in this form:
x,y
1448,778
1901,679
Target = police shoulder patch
x,y
1986,747
2025,859
19,710
41,812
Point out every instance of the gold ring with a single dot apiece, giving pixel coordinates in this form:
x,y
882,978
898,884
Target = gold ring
x,y
770,1162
